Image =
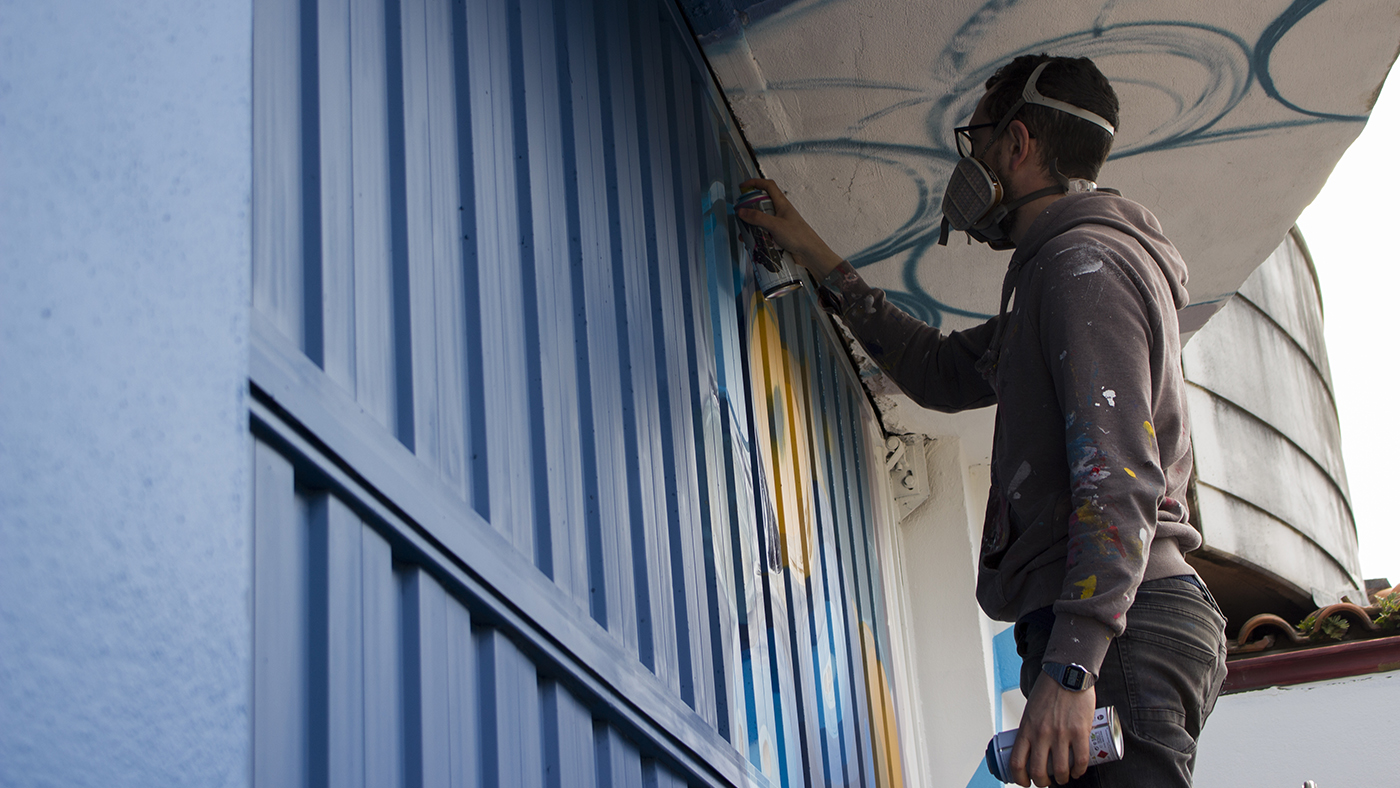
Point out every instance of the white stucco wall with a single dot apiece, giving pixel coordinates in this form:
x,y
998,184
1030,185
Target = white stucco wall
x,y
1338,733
125,637
948,640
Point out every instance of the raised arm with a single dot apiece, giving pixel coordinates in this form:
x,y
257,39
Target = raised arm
x,y
936,370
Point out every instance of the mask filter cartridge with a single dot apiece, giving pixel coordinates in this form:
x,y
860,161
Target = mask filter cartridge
x,y
973,191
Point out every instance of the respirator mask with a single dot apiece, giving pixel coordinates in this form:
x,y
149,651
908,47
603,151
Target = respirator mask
x,y
972,203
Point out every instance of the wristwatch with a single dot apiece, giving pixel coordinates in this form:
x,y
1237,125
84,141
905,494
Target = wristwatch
x,y
1075,678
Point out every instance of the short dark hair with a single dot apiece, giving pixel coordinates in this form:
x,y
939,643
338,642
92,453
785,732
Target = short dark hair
x,y
1079,147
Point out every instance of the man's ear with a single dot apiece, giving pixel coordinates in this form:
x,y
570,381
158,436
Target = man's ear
x,y
1021,149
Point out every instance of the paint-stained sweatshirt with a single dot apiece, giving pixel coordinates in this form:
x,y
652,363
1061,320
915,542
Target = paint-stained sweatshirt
x,y
1092,450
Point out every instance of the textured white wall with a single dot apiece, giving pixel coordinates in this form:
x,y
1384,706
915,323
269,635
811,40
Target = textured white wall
x,y
125,637
1337,733
947,637
1297,523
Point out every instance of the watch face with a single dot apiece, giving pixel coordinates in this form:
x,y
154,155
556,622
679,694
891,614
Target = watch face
x,y
1074,678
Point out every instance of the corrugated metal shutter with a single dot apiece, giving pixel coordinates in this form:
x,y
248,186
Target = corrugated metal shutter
x,y
545,493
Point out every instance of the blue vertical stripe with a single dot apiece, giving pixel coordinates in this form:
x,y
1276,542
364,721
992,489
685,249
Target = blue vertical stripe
x,y
319,646
478,455
845,481
313,323
612,87
838,611
683,105
398,229
529,298
569,40
383,688
667,264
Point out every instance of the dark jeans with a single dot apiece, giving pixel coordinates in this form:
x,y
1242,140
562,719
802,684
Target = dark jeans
x,y
1162,675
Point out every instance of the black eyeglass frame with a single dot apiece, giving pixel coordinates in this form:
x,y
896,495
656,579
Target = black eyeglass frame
x,y
964,133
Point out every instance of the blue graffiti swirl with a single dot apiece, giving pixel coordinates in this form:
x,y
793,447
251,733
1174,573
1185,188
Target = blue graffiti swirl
x,y
1230,65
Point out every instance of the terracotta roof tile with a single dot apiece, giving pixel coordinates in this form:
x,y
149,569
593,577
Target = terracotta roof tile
x,y
1270,627
1338,640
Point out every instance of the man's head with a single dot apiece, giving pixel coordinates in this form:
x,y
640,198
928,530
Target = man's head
x,y
1079,146
1038,110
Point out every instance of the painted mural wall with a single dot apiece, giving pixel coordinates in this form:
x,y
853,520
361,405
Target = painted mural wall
x,y
445,511
542,482
1232,117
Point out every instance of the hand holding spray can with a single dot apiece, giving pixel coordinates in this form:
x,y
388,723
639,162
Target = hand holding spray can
x,y
1105,744
773,267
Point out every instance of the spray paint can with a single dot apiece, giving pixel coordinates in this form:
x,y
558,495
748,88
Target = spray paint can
x,y
773,267
1105,744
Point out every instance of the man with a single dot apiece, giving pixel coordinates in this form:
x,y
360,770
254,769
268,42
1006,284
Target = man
x,y
1086,522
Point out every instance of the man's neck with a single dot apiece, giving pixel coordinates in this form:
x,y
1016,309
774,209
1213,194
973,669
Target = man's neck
x,y
1028,213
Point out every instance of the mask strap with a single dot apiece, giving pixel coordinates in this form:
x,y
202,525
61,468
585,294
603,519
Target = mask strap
x,y
1029,95
1035,195
1032,96
1055,173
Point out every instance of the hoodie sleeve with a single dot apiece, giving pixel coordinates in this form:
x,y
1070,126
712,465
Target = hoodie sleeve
x,y
937,371
1097,327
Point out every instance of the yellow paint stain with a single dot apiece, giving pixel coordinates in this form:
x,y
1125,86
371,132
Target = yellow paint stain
x,y
1130,471
1088,584
884,728
1088,513
1147,425
782,414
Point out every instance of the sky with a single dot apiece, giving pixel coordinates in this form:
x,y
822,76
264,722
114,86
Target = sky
x,y
1351,230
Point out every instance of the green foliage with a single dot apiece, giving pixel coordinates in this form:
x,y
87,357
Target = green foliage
x,y
1389,615
1306,625
1386,616
1333,627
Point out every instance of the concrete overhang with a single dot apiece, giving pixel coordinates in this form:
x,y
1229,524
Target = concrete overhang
x,y
1233,115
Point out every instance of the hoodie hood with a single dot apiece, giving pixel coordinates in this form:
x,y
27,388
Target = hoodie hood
x,y
1093,213
1115,212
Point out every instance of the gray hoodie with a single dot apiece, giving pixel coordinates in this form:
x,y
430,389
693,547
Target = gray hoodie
x,y
1092,451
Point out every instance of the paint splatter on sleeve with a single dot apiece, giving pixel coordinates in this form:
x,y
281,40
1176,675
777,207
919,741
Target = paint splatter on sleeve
x,y
1102,372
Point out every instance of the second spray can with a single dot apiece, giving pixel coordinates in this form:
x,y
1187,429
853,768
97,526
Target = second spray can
x,y
1105,744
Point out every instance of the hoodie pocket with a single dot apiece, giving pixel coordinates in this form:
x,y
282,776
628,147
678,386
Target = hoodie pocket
x,y
996,529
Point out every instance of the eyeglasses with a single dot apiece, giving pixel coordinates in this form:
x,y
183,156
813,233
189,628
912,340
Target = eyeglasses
x,y
963,135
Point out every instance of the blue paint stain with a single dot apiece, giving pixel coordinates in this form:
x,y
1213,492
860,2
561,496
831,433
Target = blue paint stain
x,y
716,20
982,778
